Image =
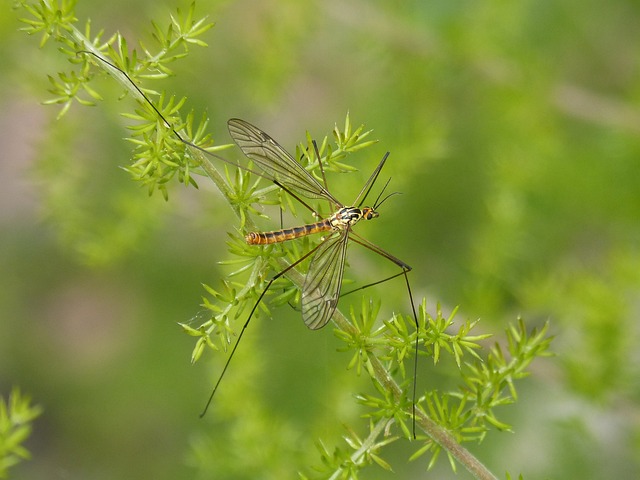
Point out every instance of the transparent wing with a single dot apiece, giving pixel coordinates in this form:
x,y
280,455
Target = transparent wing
x,y
321,288
275,161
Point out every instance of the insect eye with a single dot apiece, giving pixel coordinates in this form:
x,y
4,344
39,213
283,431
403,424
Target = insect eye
x,y
369,213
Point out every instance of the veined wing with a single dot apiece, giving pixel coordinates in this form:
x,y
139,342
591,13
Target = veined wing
x,y
275,161
322,284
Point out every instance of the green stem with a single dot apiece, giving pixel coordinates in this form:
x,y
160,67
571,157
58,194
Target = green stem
x,y
366,445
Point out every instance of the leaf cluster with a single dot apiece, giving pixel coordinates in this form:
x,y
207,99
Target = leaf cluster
x,y
16,417
159,155
449,418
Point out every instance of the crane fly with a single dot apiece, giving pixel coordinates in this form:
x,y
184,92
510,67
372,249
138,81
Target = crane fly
x,y
323,282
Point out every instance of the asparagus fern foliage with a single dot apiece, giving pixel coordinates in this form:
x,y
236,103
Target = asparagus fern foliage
x,y
178,148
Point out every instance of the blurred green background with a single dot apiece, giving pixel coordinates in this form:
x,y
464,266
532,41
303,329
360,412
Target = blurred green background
x,y
514,131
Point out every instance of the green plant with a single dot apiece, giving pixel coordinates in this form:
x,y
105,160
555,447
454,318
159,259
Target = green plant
x,y
16,416
379,348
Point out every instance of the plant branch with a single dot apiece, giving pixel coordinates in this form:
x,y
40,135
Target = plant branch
x,y
436,432
126,83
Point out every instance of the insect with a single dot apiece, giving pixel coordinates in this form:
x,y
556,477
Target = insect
x,y
322,285
323,281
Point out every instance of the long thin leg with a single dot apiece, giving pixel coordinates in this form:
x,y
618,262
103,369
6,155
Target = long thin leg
x,y
405,269
164,119
324,177
246,324
366,188
362,287
415,358
309,207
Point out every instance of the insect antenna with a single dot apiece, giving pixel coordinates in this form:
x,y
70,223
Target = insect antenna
x,y
379,202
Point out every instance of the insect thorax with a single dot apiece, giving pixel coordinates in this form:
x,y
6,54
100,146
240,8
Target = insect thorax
x,y
348,216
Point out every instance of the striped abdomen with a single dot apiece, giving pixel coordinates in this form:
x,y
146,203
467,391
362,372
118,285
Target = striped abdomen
x,y
264,238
